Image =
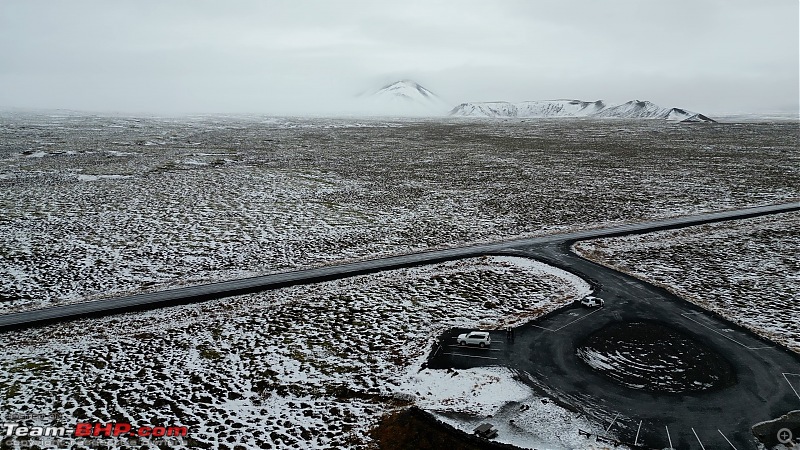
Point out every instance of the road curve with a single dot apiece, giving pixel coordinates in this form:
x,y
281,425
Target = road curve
x,y
544,353
199,293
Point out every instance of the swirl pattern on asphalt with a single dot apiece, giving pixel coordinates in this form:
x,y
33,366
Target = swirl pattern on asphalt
x,y
656,358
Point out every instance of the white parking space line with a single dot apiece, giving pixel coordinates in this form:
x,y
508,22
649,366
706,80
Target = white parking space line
x,y
484,349
669,438
698,439
570,323
612,422
729,442
469,356
686,315
636,441
790,383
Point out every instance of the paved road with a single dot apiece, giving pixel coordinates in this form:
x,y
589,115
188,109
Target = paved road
x,y
546,349
247,285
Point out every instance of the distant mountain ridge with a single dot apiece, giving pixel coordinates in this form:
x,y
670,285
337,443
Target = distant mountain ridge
x,y
406,98
634,109
409,98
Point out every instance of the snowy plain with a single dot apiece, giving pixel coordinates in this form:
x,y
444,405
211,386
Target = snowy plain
x,y
98,206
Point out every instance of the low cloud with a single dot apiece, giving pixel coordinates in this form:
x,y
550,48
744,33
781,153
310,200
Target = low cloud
x,y
285,58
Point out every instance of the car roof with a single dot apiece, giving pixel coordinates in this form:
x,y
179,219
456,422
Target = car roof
x,y
478,332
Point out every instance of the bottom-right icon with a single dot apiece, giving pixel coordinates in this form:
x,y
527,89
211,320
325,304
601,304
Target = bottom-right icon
x,y
785,436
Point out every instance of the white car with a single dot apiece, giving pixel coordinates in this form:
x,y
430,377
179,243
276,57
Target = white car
x,y
592,302
479,338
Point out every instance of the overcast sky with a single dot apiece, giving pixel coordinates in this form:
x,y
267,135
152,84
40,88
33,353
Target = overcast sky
x,y
710,56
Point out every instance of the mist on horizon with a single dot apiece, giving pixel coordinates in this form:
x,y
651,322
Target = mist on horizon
x,y
282,58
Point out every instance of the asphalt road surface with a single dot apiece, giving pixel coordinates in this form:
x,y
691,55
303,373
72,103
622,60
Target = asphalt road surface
x,y
767,376
544,352
205,292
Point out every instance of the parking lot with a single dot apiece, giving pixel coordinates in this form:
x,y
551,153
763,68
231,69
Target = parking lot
x,y
766,383
449,353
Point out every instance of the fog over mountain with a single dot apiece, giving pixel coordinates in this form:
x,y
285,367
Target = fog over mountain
x,y
314,57
403,98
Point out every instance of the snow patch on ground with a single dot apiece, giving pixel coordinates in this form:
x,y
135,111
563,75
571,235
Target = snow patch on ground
x,y
86,177
468,398
194,162
119,153
478,391
533,423
583,288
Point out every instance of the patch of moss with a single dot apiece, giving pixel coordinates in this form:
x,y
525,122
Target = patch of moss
x,y
209,353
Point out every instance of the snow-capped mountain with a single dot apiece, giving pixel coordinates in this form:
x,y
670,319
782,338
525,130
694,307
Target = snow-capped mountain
x,y
547,108
405,98
409,98
634,109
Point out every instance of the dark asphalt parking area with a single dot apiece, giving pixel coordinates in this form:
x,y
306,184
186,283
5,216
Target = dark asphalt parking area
x,y
759,387
462,356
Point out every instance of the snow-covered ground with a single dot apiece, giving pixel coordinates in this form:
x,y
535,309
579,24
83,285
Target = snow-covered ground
x,y
302,367
100,206
747,271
